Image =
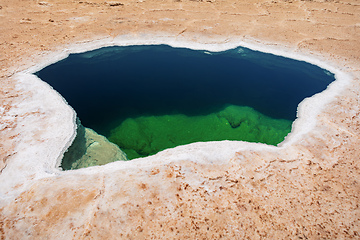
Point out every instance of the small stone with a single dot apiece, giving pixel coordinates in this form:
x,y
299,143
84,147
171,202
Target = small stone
x,y
114,4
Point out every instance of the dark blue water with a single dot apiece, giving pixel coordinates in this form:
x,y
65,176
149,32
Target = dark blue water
x,y
107,85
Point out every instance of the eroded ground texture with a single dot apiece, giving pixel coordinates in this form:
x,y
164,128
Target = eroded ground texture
x,y
307,190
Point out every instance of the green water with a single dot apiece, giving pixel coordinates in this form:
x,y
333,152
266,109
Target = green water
x,y
147,135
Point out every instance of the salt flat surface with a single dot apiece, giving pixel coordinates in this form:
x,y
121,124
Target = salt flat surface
x,y
305,189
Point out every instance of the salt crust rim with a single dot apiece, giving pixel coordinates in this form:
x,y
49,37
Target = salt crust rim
x,y
204,153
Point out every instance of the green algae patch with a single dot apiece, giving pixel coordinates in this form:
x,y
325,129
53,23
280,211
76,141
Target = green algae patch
x,y
146,135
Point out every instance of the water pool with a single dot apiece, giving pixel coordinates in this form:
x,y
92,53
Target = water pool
x,y
149,98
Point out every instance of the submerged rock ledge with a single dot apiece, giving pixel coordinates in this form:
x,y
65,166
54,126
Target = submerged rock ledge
x,y
203,189
90,149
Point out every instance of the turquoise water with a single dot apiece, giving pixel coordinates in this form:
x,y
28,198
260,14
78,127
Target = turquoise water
x,y
149,98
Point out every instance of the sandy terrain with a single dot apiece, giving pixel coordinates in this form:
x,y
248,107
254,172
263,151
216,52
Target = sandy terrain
x,y
308,189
